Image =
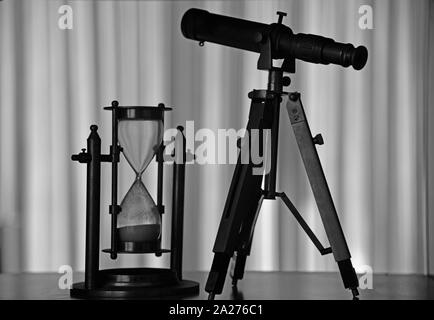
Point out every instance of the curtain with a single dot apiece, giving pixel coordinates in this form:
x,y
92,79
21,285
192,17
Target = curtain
x,y
430,146
54,83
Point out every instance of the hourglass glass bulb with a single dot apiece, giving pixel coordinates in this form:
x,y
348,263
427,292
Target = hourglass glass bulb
x,y
139,220
139,140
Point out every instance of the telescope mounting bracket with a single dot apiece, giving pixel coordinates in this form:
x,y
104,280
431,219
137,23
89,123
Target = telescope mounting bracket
x,y
265,61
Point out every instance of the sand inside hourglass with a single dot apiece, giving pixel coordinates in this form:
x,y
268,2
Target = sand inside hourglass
x,y
139,220
141,233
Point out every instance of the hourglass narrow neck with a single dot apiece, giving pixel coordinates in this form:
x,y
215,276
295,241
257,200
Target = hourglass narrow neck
x,y
139,175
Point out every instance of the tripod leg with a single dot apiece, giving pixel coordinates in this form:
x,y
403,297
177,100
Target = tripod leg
x,y
246,238
270,122
230,229
241,204
321,192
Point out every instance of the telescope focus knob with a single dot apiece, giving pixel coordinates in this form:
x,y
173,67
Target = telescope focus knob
x,y
281,15
318,139
286,81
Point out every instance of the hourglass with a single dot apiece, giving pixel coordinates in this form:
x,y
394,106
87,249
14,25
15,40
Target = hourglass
x,y
140,133
136,224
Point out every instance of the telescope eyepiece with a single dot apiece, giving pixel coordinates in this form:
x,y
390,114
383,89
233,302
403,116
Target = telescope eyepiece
x,y
359,58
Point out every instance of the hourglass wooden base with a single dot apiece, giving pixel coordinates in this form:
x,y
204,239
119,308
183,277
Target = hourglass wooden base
x,y
136,283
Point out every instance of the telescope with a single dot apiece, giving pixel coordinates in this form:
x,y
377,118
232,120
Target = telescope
x,y
249,189
273,41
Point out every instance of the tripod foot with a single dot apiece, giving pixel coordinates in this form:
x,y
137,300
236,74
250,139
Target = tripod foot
x,y
237,295
211,296
355,293
234,282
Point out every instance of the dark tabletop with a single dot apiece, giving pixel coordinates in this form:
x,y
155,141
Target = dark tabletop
x,y
255,285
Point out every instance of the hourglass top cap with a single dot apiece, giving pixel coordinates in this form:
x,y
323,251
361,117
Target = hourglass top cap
x,y
138,112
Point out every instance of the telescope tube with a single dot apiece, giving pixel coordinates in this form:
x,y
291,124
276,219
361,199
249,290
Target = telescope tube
x,y
201,25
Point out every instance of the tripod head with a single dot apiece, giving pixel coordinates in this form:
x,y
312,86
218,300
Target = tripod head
x,y
273,41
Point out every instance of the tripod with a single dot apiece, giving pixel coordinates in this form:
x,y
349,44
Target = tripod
x,y
246,195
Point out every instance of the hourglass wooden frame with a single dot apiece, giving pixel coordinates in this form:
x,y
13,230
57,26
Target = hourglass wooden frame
x,y
131,282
